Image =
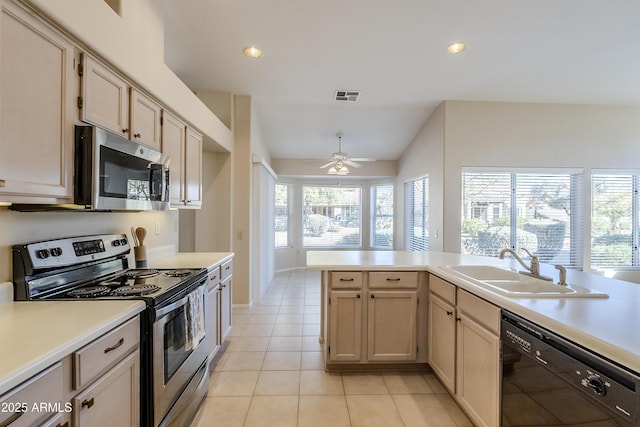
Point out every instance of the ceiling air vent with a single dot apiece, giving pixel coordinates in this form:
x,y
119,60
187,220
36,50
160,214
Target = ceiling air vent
x,y
347,95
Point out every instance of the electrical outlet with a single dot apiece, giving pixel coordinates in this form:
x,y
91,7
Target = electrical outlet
x,y
239,235
157,228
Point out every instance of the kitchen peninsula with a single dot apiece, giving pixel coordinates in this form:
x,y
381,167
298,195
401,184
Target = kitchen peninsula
x,y
349,325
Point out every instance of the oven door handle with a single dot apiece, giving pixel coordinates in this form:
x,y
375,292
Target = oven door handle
x,y
171,307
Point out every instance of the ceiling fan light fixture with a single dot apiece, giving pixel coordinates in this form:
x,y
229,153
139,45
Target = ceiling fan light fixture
x,y
456,47
332,170
343,170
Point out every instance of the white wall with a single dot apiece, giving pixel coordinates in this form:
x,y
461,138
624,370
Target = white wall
x,y
533,135
424,156
134,43
26,227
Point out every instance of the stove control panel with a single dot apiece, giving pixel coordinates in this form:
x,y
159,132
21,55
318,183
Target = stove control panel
x,y
73,250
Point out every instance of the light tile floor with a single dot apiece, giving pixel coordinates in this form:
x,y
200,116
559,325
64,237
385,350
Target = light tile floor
x,y
271,374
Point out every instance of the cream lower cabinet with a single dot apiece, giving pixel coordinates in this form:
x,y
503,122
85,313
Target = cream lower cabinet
x,y
219,306
37,103
464,349
382,330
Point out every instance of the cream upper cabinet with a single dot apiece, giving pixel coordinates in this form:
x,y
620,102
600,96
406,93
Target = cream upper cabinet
x,y
105,97
145,120
37,95
183,146
193,169
173,146
108,100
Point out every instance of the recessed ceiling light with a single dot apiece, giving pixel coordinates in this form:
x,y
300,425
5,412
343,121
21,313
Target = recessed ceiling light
x,y
456,47
252,52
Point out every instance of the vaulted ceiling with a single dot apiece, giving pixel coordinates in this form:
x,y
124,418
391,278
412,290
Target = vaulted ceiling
x,y
394,52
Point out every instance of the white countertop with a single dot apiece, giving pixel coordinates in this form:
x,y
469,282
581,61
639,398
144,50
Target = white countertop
x,y
607,326
37,334
191,260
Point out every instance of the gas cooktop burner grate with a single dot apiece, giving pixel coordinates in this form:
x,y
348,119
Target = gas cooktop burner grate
x,y
89,292
136,290
177,273
141,274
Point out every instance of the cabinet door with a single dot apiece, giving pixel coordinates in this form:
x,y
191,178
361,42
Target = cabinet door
x,y
173,145
478,372
345,326
193,168
212,319
226,295
145,120
37,89
442,340
113,399
392,326
105,97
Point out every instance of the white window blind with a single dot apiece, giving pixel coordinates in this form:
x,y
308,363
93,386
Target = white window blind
x,y
614,219
382,216
535,210
331,216
417,215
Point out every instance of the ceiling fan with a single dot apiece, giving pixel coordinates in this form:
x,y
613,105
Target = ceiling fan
x,y
339,161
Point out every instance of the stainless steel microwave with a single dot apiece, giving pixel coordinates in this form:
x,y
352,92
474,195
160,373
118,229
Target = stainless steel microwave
x,y
114,173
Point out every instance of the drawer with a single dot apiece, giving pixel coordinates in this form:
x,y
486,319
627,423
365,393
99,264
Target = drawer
x,y
213,277
393,279
96,358
18,404
345,279
443,289
482,311
226,269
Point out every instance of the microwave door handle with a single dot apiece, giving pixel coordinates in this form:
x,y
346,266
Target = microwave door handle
x,y
171,307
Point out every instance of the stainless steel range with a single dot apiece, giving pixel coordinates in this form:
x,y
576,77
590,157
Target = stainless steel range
x,y
174,370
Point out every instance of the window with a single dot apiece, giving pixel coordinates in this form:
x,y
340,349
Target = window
x,y
417,217
534,210
331,216
614,220
382,216
282,215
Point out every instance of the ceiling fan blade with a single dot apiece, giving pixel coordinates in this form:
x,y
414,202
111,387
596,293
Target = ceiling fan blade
x,y
363,159
350,162
327,165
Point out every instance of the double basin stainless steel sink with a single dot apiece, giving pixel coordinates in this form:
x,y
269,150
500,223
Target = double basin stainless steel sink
x,y
516,285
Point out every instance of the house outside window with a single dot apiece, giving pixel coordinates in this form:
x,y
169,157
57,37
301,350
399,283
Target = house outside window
x,y
331,216
282,225
536,210
417,214
382,216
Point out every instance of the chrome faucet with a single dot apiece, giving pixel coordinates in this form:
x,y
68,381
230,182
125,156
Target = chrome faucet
x,y
533,270
562,275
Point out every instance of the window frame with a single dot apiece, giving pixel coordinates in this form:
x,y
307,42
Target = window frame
x,y
374,215
288,214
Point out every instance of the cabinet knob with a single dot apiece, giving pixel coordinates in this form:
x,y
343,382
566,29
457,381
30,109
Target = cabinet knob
x,y
2,183
137,135
449,313
125,130
66,424
88,403
358,296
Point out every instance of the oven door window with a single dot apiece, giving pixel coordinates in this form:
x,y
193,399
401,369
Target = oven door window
x,y
175,339
123,176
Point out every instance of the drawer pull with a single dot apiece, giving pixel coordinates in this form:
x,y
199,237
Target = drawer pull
x,y
227,267
11,419
346,280
113,347
389,279
87,403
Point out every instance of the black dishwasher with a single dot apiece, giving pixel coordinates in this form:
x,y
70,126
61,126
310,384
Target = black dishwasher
x,y
549,381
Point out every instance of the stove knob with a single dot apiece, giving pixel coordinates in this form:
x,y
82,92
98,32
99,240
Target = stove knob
x,y
597,385
56,251
42,253
123,242
116,243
